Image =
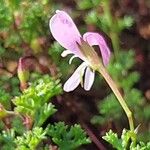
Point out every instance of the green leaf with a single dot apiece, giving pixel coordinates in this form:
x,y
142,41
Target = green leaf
x,y
31,139
7,140
87,4
126,22
33,101
126,142
113,139
43,113
5,99
67,138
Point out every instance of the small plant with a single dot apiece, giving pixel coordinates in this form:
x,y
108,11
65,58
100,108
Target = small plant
x,y
127,141
67,138
30,139
32,109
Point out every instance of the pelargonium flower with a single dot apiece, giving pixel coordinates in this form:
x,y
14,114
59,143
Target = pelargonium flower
x,y
66,33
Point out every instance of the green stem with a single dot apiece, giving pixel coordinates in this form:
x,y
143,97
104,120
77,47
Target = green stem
x,y
115,43
111,83
113,27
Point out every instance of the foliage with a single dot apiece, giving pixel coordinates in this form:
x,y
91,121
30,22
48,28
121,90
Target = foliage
x,y
86,4
105,21
127,141
34,100
10,85
24,32
30,139
7,140
25,16
67,138
5,98
32,109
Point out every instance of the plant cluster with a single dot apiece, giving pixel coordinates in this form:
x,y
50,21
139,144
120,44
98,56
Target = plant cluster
x,y
25,116
24,124
125,141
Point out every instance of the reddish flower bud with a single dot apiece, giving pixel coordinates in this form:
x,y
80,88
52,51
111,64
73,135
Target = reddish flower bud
x,y
23,73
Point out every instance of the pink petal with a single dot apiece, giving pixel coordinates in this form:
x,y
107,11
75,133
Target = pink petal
x,y
75,79
89,79
97,39
65,31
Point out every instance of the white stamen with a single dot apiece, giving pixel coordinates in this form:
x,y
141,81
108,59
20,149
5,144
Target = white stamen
x,y
71,59
57,11
65,53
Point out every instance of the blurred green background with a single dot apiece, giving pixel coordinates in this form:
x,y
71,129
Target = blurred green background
x,y
125,24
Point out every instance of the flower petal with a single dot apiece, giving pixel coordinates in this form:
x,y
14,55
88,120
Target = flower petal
x,y
65,31
89,79
75,79
97,39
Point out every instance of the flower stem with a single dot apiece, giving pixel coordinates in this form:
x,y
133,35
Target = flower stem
x,y
101,69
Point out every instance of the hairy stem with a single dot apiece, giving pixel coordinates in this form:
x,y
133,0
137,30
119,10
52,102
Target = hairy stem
x,y
101,69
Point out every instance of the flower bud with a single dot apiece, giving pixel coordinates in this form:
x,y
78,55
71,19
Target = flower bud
x,y
23,73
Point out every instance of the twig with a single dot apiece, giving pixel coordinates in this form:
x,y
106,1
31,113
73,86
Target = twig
x,y
93,137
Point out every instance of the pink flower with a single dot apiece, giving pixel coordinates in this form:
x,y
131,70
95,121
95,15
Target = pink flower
x,y
66,33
